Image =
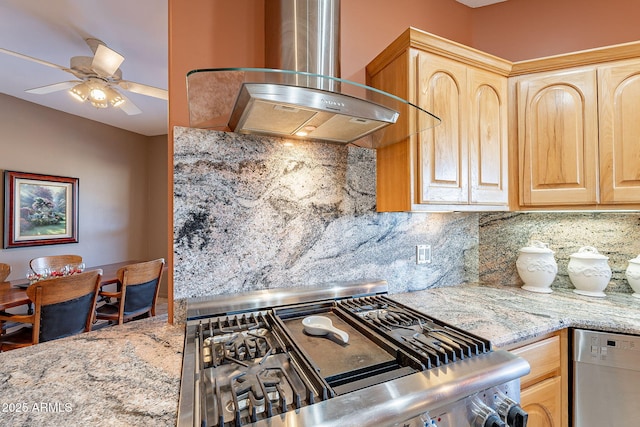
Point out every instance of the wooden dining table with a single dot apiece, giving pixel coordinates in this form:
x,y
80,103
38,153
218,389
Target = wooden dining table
x,y
14,293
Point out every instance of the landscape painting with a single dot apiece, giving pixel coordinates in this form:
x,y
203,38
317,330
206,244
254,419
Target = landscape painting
x,y
40,209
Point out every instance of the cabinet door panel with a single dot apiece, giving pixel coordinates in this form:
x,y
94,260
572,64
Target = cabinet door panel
x,y
619,99
557,115
544,358
443,173
543,403
488,137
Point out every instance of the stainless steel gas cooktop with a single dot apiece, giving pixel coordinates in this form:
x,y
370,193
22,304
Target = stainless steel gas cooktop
x,y
250,361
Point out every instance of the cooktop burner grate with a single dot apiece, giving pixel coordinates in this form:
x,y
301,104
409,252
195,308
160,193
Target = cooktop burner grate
x,y
434,342
248,373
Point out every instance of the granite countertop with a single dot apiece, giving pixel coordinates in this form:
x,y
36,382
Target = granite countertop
x,y
129,375
125,375
507,315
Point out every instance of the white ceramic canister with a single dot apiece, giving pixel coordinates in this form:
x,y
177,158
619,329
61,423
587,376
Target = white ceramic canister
x,y
632,274
537,267
589,272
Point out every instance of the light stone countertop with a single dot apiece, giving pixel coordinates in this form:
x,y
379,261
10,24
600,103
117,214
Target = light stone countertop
x,y
130,375
125,375
508,314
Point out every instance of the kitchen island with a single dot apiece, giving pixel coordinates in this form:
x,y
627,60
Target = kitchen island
x,y
130,374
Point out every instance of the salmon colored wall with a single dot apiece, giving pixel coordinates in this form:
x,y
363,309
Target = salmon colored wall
x,y
525,29
210,34
368,26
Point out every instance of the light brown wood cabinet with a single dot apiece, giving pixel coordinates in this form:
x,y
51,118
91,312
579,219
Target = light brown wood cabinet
x,y
550,133
544,391
577,133
558,138
619,132
460,164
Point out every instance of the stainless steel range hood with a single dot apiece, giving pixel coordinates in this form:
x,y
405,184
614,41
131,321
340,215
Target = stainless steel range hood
x,y
300,95
304,112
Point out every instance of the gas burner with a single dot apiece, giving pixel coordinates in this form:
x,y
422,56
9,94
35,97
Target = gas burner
x,y
435,342
389,318
257,389
245,345
249,391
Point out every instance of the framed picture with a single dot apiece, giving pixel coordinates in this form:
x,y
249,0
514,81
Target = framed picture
x,y
39,209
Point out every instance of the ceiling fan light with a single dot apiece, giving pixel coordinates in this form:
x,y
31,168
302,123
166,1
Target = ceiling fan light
x,y
97,94
80,92
99,103
115,99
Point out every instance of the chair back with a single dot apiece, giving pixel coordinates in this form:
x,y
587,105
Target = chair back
x,y
54,262
64,306
140,284
5,270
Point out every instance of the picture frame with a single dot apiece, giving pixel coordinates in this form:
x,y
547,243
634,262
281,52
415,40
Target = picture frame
x,y
39,209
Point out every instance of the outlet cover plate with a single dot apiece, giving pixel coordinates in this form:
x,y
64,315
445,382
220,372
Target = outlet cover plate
x,y
423,254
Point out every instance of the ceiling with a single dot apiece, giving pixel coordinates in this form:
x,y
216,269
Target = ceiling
x,y
54,31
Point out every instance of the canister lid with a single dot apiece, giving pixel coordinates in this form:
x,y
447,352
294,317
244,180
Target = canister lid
x,y
588,252
537,247
636,260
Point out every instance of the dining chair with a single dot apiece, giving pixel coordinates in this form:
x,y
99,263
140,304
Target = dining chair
x,y
137,293
54,262
5,270
63,306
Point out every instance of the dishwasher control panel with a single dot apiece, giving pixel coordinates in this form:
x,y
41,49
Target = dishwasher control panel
x,y
603,348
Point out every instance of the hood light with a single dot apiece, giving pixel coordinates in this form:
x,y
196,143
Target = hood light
x,y
306,130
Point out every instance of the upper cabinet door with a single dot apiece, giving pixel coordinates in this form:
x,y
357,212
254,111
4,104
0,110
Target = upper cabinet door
x,y
443,166
619,104
488,165
558,138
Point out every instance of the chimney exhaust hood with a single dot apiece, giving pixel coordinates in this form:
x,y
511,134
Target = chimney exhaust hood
x,y
300,97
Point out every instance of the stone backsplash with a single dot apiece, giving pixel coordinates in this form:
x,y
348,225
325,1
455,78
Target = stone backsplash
x,y
501,235
255,212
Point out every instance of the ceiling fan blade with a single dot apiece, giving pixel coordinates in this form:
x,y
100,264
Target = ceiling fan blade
x,y
93,43
42,90
31,58
144,89
106,61
129,107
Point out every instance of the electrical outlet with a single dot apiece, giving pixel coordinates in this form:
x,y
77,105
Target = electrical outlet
x,y
423,254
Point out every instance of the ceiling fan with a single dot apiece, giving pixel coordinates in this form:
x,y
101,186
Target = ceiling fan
x,y
98,76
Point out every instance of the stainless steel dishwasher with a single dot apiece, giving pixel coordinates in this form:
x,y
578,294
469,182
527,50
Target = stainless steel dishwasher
x,y
606,379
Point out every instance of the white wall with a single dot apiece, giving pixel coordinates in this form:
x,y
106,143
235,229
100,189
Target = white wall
x,y
122,187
